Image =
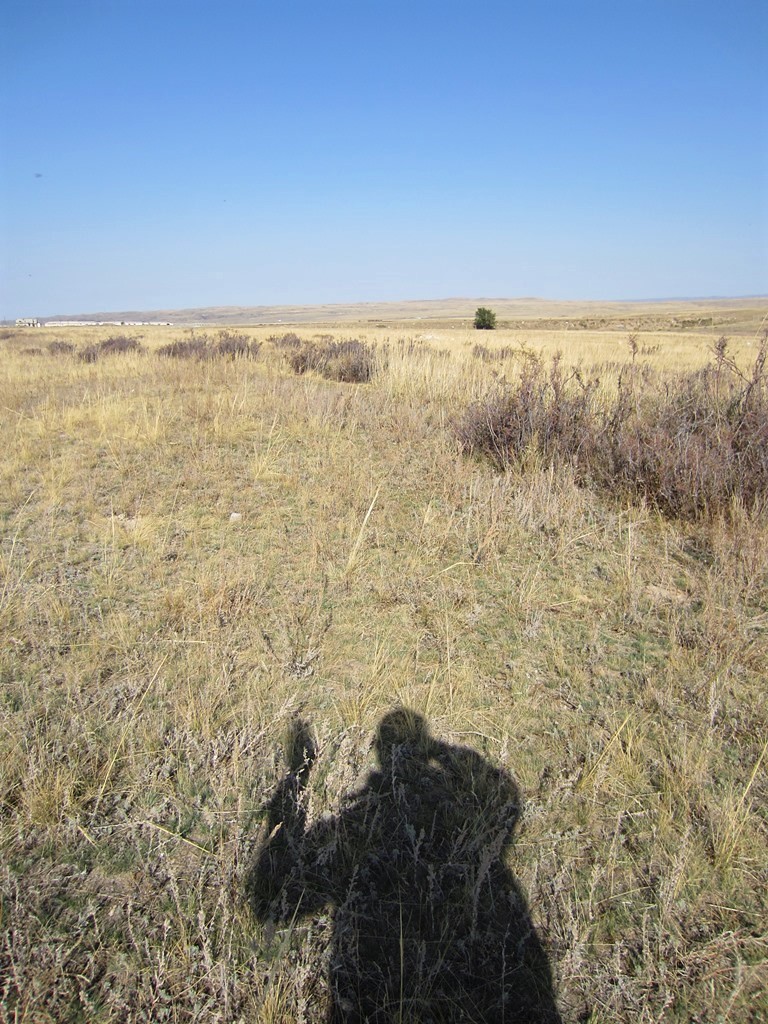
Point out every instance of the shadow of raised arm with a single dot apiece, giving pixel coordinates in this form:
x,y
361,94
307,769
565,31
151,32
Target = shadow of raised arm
x,y
275,884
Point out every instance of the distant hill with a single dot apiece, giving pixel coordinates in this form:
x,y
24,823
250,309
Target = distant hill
x,y
520,311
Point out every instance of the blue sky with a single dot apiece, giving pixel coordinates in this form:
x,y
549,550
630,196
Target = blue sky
x,y
166,154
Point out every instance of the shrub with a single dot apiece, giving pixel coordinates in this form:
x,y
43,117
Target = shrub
x,y
285,341
119,344
226,345
547,410
485,319
350,361
686,443
186,348
89,354
305,357
61,348
693,443
236,346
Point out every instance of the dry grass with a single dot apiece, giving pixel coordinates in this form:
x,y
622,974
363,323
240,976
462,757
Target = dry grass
x,y
155,652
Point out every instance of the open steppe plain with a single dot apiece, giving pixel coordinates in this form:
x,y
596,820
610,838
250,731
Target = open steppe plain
x,y
195,552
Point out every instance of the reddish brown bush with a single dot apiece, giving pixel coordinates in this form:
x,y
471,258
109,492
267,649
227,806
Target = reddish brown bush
x,y
285,341
61,348
225,345
350,361
187,348
229,345
119,344
548,410
686,443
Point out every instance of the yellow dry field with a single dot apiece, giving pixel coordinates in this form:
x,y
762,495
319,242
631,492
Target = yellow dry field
x,y
194,553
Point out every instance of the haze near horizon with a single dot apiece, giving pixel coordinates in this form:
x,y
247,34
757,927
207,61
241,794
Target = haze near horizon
x,y
186,155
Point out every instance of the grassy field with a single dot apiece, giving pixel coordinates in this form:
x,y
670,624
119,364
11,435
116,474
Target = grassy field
x,y
197,554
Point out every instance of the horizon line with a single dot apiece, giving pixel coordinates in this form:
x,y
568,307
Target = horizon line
x,y
231,307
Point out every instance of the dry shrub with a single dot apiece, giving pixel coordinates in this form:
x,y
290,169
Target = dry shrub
x,y
119,344
235,346
693,443
350,361
226,345
186,348
548,410
285,341
61,348
303,358
688,443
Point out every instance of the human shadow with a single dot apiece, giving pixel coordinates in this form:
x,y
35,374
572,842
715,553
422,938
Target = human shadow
x,y
429,924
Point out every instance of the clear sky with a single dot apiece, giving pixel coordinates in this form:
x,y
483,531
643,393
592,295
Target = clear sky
x,y
169,153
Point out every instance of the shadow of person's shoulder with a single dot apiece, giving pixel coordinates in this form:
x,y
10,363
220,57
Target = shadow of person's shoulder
x,y
476,781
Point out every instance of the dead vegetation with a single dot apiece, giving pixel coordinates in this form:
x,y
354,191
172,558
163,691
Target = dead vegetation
x,y
119,344
689,444
349,361
226,345
604,659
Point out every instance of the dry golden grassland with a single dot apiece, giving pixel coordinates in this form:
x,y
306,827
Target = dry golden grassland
x,y
155,650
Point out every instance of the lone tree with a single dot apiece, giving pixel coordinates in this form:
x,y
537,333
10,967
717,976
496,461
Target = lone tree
x,y
485,319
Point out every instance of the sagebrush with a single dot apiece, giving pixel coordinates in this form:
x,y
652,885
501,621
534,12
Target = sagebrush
x,y
688,443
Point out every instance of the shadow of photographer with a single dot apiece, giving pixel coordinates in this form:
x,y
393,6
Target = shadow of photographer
x,y
429,923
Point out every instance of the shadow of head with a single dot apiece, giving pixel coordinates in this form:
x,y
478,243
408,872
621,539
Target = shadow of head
x,y
403,733
445,774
